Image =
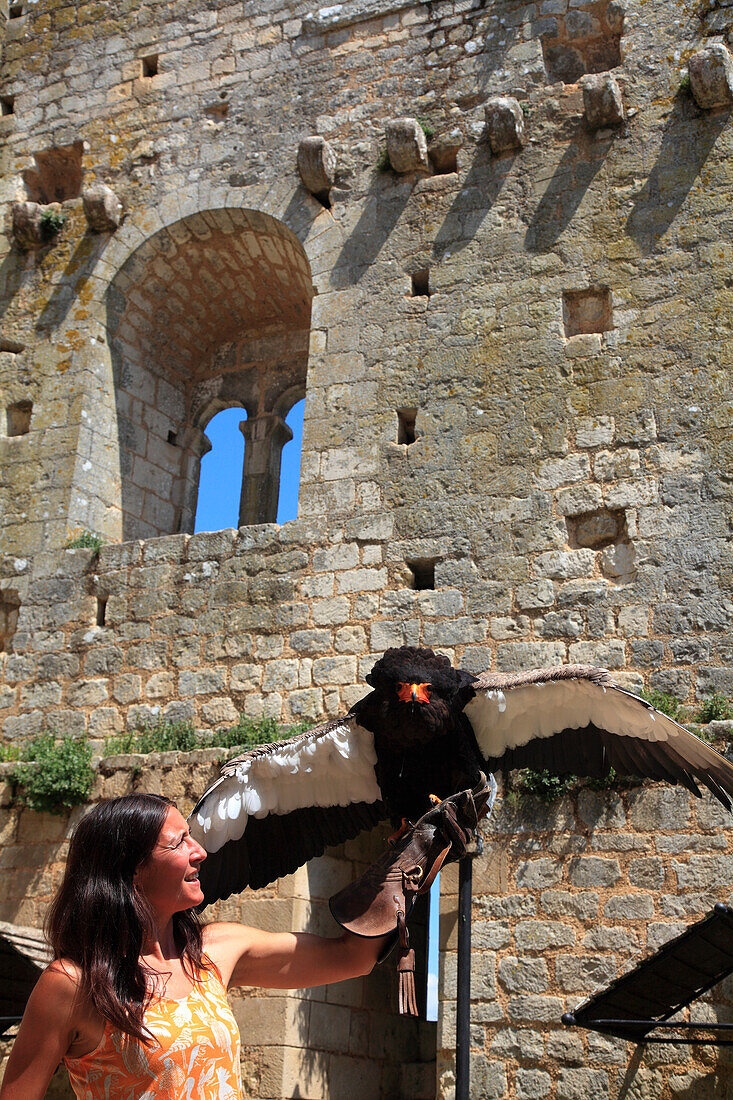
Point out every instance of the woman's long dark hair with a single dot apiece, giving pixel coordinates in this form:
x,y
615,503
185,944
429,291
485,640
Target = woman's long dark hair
x,y
100,920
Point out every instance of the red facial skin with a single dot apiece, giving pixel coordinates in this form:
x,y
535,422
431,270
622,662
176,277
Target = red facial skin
x,y
167,877
413,693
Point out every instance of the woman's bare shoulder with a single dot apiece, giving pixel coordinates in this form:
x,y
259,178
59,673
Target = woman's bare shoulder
x,y
61,980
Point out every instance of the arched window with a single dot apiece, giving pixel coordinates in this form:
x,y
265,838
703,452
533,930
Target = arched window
x,y
210,313
220,480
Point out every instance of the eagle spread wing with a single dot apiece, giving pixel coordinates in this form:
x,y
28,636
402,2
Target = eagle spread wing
x,y
426,728
277,806
575,719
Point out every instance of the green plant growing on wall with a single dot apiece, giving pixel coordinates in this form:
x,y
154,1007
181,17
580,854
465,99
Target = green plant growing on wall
x,y
426,128
383,164
52,222
53,776
716,708
541,784
161,735
168,735
247,733
664,701
81,539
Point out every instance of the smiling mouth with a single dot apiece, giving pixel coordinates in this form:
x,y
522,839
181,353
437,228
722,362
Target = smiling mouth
x,y
192,878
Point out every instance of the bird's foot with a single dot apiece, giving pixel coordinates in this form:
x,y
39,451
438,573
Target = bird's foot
x,y
399,833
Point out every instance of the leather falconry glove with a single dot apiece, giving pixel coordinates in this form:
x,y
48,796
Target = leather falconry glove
x,y
380,900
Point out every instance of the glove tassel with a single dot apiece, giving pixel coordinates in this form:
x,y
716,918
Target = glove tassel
x,y
406,970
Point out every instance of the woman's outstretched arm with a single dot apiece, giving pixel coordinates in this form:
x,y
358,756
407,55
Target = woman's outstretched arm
x,y
287,960
45,1034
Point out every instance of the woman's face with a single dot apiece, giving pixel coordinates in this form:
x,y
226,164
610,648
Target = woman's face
x,y
169,876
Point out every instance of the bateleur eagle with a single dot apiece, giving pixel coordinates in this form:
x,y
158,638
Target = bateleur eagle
x,y
427,728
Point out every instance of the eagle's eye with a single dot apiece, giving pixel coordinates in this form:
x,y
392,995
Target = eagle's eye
x,y
413,693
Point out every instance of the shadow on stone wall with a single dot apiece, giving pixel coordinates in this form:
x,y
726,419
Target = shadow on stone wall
x,y
383,203
79,267
483,182
687,141
573,176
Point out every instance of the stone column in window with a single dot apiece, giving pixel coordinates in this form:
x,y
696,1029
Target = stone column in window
x,y
264,438
194,445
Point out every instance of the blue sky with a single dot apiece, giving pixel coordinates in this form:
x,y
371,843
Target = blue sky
x,y
220,483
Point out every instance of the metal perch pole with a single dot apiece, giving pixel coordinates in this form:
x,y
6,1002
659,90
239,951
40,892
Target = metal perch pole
x,y
463,991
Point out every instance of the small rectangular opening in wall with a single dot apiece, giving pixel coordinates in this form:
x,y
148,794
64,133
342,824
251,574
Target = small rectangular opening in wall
x,y
423,573
444,159
421,283
150,65
406,426
15,11
588,310
18,418
173,439
586,41
57,174
101,610
7,104
9,611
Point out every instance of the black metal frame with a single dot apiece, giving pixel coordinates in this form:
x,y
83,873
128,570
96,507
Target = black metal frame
x,y
674,978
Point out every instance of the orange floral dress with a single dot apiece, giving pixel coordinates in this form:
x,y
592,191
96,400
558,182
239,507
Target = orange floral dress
x,y
196,1057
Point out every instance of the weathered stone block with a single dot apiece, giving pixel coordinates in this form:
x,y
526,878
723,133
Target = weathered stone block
x,y
407,146
538,935
579,1084
628,907
102,208
711,76
602,100
27,225
538,873
523,975
532,1084
316,164
594,871
504,124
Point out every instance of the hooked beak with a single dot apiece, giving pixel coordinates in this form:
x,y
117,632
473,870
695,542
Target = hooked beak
x,y
414,693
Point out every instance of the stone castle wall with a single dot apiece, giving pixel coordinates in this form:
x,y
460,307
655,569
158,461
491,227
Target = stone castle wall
x,y
517,442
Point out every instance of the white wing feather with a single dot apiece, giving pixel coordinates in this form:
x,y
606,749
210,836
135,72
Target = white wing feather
x,y
333,769
543,709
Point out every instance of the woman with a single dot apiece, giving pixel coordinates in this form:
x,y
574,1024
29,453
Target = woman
x,y
134,1003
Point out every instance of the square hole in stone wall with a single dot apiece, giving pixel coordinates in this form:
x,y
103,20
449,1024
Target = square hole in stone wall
x,y
18,418
595,530
406,426
423,573
588,310
584,41
57,175
7,104
444,159
9,611
15,11
101,610
149,65
421,283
